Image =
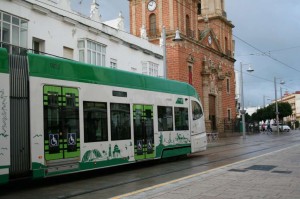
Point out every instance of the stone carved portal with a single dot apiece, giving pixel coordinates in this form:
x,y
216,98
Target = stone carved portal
x,y
212,93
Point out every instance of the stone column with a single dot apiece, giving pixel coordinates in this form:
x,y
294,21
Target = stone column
x,y
205,86
220,122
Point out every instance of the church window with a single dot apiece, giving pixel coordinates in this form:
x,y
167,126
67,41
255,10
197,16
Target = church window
x,y
228,85
152,24
226,43
199,8
227,47
228,114
188,26
190,75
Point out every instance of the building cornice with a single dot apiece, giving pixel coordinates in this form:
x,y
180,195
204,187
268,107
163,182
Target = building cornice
x,y
98,28
202,19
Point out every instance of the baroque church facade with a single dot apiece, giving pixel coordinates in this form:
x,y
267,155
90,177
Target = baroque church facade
x,y
205,56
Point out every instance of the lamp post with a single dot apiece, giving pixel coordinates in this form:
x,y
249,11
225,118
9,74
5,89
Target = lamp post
x,y
164,44
164,51
276,104
242,111
265,100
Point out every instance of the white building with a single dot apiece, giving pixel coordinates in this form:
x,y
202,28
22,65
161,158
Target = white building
x,y
50,26
294,100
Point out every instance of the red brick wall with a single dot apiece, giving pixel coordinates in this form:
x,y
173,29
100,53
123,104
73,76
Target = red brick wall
x,y
178,53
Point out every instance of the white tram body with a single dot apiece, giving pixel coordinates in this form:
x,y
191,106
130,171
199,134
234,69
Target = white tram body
x,y
83,117
4,117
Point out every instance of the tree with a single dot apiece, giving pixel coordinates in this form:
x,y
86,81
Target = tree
x,y
269,112
255,117
284,109
248,117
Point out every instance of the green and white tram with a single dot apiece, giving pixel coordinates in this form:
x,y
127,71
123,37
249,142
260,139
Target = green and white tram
x,y
59,116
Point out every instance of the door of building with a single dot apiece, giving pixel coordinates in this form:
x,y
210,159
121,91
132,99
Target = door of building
x,y
212,112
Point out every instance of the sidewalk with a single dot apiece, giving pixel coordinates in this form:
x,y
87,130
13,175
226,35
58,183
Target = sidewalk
x,y
270,176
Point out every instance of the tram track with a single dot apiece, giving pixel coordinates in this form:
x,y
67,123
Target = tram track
x,y
267,149
137,176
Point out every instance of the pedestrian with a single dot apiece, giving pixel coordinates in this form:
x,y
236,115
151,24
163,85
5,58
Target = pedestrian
x,y
269,129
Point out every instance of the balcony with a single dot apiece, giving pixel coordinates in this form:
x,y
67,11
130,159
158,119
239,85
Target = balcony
x,y
12,49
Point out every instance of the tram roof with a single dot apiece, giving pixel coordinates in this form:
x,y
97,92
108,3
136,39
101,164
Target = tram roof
x,y
64,69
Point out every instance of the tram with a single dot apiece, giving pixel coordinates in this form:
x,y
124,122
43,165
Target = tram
x,y
59,116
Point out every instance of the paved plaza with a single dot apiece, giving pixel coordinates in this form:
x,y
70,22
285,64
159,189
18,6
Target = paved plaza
x,y
275,175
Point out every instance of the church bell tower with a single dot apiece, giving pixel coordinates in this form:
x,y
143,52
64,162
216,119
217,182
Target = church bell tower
x,y
204,57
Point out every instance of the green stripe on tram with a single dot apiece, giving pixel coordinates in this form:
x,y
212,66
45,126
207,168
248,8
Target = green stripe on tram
x,y
57,68
4,178
63,153
4,68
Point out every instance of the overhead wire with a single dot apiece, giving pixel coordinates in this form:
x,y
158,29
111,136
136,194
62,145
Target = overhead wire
x,y
252,46
270,51
263,53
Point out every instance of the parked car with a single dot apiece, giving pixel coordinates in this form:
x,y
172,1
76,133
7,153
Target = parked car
x,y
285,128
282,128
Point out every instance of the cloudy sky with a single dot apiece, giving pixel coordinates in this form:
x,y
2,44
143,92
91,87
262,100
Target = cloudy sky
x,y
266,34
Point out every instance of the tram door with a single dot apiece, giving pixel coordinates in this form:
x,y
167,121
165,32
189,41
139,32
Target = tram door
x,y
143,132
61,124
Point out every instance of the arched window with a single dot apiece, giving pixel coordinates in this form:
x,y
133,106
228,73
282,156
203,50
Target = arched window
x,y
188,26
199,8
190,75
228,85
226,47
152,25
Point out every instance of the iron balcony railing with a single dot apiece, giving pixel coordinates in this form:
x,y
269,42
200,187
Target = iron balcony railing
x,y
13,49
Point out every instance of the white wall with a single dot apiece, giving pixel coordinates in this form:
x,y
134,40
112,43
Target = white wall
x,y
297,104
46,22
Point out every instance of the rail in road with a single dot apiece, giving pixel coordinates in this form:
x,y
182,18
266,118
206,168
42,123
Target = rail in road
x,y
107,183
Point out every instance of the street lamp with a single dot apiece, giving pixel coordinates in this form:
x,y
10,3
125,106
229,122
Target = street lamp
x,y
276,104
163,34
164,44
281,82
265,100
242,111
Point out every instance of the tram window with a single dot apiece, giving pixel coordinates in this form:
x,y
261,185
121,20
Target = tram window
x,y
181,118
53,99
70,100
165,118
120,121
95,121
52,117
197,110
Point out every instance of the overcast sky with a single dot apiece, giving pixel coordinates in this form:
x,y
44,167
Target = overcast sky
x,y
266,34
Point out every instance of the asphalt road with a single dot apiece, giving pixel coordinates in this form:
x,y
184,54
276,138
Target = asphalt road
x,y
107,183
